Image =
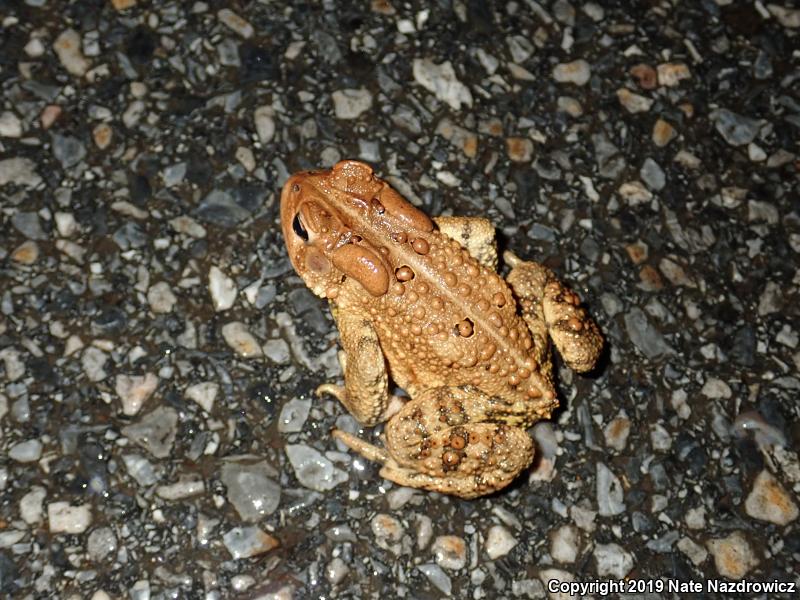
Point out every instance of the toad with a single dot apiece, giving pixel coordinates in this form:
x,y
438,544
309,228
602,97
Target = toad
x,y
418,301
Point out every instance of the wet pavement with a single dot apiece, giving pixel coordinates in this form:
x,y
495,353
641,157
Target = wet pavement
x,y
158,355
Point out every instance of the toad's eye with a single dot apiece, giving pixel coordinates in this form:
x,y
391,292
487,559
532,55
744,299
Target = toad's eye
x,y
298,228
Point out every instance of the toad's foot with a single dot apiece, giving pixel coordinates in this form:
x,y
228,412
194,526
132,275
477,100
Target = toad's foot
x,y
451,440
544,299
394,403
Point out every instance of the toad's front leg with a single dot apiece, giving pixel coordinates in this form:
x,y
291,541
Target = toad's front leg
x,y
452,440
366,383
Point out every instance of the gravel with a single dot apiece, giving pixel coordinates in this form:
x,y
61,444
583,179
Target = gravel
x,y
159,356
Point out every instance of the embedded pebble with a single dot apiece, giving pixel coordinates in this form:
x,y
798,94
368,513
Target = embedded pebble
x,y
26,253
769,501
293,415
68,48
93,361
185,487
442,82
312,469
140,469
68,150
652,174
134,390
671,74
10,125
693,551
265,123
222,289
617,431
388,531
25,452
499,542
277,350
519,149
160,298
204,394
66,224
351,103
736,129
644,335
101,545
437,577
19,171
240,340
609,492
29,225
450,552
612,560
564,544
663,133
13,364
632,102
236,23
577,72
31,505
155,432
733,555
249,541
251,489
336,570
62,517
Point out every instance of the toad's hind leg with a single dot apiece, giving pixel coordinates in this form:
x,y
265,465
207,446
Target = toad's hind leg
x,y
455,440
547,304
476,234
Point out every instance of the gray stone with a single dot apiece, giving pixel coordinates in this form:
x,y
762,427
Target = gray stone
x,y
644,336
68,150
251,489
736,129
28,224
155,432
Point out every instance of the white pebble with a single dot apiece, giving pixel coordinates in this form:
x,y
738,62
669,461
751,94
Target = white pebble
x,y
240,340
312,469
450,552
499,542
204,394
65,518
769,501
160,298
10,125
30,506
442,82
336,570
351,103
222,288
66,224
633,103
134,390
68,49
577,72
265,124
612,560
564,544
437,577
236,23
733,556
27,451
244,542
609,492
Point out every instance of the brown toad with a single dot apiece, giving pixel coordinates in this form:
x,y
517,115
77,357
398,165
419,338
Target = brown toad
x,y
418,301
